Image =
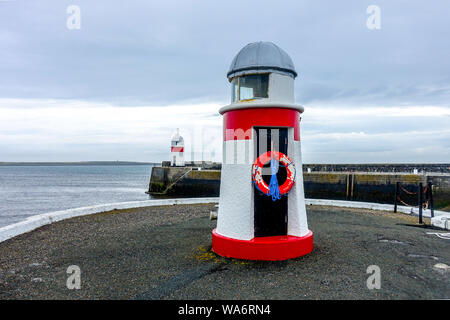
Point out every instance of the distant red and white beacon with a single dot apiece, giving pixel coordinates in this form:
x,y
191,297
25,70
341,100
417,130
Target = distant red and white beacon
x,y
262,213
177,150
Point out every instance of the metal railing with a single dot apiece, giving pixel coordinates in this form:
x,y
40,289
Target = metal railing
x,y
422,203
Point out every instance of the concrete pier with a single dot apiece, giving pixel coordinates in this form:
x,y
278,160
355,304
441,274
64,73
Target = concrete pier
x,y
165,253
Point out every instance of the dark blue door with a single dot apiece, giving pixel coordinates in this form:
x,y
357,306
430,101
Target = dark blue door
x,y
270,216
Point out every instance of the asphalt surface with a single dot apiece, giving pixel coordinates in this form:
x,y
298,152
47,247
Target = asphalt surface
x,y
165,253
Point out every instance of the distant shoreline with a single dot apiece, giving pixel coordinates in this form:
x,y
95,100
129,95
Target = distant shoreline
x,y
80,163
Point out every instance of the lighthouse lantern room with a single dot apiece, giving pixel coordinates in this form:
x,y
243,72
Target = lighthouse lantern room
x,y
262,213
177,150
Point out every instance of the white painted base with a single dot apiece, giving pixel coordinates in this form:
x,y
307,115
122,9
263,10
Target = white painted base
x,y
177,159
297,220
235,217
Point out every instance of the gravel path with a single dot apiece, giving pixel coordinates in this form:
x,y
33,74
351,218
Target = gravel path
x,y
165,253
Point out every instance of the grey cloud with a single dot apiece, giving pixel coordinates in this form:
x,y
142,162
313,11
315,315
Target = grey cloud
x,y
164,52
133,53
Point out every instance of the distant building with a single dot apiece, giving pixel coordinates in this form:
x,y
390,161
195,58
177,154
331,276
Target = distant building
x,y
177,150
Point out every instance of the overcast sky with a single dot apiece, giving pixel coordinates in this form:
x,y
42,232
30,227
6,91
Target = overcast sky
x,y
118,87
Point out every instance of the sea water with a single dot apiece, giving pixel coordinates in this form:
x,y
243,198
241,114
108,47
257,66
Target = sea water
x,y
31,190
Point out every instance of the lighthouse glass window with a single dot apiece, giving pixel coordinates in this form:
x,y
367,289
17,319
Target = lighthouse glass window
x,y
235,89
250,87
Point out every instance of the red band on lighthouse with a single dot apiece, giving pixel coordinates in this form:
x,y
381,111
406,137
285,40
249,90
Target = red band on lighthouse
x,y
177,149
237,124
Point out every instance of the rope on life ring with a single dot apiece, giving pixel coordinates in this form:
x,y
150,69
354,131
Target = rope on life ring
x,y
273,189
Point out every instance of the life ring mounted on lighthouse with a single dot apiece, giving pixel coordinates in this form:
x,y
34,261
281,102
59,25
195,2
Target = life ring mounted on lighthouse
x,y
273,189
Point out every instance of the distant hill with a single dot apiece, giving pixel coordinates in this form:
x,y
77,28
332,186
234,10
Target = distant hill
x,y
79,163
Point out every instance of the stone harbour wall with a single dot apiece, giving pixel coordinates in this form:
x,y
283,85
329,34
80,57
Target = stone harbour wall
x,y
378,187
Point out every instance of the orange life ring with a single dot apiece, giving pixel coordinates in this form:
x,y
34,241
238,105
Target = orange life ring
x,y
265,158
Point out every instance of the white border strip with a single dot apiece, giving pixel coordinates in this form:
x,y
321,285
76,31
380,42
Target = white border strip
x,y
441,219
374,206
40,220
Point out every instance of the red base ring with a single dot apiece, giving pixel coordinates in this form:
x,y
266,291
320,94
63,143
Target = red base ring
x,y
263,248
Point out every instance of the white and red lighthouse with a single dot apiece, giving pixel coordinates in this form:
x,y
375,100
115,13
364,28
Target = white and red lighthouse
x,y
262,213
177,150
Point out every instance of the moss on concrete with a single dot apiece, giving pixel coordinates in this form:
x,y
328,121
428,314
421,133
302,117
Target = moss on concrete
x,y
204,174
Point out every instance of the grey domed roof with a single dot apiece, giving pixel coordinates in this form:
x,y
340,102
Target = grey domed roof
x,y
261,57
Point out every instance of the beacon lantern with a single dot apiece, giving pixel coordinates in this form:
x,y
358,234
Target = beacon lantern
x,y
262,214
177,150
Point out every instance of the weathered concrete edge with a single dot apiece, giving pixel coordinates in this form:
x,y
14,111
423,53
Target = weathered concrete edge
x,y
441,219
40,220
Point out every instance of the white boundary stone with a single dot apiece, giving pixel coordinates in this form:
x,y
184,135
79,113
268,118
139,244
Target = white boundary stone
x,y
441,222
